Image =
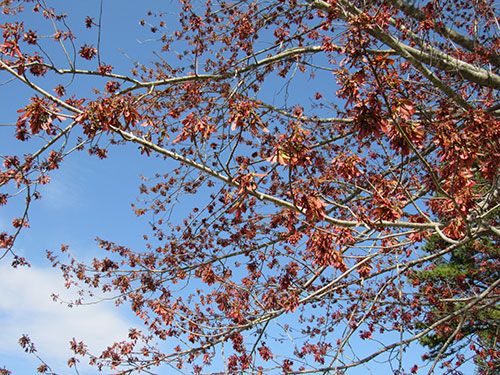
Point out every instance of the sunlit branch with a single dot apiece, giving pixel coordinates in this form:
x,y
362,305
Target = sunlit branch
x,y
444,31
262,196
424,332
39,89
291,52
415,57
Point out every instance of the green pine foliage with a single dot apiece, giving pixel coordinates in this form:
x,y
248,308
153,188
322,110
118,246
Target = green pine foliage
x,y
449,284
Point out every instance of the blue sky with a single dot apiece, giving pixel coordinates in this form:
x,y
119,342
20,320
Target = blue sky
x,y
86,198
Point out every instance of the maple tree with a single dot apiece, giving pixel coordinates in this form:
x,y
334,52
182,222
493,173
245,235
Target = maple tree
x,y
326,143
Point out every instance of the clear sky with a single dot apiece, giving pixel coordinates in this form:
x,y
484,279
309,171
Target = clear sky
x,y
86,198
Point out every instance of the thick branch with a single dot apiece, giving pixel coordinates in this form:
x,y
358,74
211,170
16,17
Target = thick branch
x,y
432,56
446,32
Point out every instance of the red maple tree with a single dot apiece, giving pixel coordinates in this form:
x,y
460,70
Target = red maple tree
x,y
328,141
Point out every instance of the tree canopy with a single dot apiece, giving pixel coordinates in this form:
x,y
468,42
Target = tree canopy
x,y
313,149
